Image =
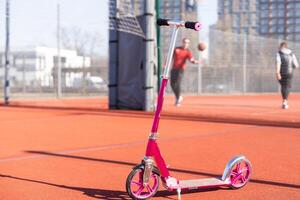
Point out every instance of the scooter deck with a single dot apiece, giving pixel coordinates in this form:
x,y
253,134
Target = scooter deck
x,y
201,183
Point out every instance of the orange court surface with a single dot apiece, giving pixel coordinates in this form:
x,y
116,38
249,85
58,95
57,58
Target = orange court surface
x,y
77,149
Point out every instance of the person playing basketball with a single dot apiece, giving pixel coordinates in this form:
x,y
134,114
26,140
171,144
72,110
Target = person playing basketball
x,y
181,54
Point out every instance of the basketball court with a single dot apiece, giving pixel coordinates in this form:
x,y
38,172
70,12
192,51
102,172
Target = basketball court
x,y
78,149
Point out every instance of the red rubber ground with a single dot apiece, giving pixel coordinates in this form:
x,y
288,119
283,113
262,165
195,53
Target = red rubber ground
x,y
78,149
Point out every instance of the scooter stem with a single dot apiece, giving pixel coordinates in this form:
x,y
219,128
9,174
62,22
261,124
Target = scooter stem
x,y
171,51
164,82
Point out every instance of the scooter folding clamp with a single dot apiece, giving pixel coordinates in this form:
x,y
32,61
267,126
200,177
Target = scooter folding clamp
x,y
153,136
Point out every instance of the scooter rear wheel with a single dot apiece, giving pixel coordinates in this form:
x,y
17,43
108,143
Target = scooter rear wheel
x,y
135,187
240,174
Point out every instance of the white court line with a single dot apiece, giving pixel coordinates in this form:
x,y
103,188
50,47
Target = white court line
x,y
279,110
87,149
117,146
268,112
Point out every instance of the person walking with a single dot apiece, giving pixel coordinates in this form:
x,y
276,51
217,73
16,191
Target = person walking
x,y
286,62
181,54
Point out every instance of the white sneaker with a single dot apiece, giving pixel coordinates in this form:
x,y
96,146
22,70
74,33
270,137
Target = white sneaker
x,y
285,105
178,101
177,104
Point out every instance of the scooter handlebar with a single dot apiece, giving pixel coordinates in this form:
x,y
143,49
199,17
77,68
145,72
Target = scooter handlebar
x,y
162,22
191,25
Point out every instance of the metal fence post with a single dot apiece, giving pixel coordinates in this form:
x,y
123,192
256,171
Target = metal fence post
x,y
245,63
200,73
7,58
58,54
149,11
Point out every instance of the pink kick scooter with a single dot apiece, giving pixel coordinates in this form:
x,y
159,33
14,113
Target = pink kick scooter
x,y
143,181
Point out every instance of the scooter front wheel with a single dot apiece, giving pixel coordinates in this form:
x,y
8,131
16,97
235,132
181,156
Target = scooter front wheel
x,y
240,174
135,187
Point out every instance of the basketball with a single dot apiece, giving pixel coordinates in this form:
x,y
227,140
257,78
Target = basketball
x,y
201,46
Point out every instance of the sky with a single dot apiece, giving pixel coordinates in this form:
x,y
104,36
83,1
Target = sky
x,y
34,22
207,14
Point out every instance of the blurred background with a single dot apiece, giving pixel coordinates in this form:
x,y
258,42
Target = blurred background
x,y
40,31
60,48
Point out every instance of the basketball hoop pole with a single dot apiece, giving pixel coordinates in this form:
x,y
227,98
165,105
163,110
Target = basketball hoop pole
x,y
149,59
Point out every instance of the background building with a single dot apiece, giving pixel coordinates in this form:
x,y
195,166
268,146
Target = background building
x,y
279,19
276,19
239,16
36,67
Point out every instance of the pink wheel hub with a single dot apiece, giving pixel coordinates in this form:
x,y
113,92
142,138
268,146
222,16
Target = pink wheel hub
x,y
240,174
141,191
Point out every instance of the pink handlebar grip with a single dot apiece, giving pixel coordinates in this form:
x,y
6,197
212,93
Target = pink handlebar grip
x,y
198,26
193,25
